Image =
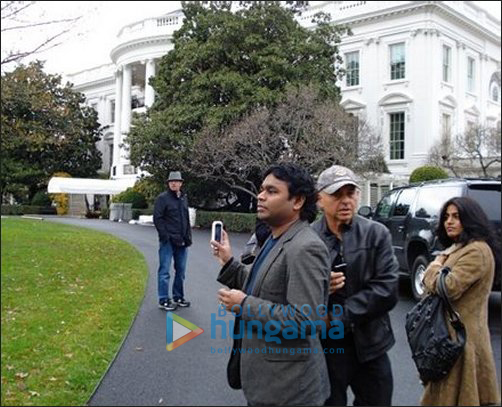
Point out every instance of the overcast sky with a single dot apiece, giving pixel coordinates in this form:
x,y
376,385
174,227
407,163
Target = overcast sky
x,y
90,42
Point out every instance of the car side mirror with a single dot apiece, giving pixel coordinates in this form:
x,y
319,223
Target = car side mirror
x,y
365,211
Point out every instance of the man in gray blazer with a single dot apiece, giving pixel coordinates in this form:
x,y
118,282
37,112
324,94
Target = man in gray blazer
x,y
291,269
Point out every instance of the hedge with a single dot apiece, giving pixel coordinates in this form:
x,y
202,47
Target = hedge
x,y
427,173
41,198
233,222
137,199
28,209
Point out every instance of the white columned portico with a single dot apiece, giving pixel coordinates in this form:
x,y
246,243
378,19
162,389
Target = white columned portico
x,y
116,125
149,92
126,99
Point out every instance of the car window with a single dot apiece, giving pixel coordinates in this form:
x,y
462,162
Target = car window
x,y
488,196
431,199
385,205
404,201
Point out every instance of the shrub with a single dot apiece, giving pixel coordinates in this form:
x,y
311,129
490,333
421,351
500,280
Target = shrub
x,y
41,198
39,210
12,210
427,173
28,210
149,188
233,222
133,197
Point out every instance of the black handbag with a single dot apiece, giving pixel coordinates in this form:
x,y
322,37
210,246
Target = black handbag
x,y
432,348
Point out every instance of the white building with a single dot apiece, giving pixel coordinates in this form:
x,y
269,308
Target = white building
x,y
414,69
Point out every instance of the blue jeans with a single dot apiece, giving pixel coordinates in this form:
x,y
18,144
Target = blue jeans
x,y
166,252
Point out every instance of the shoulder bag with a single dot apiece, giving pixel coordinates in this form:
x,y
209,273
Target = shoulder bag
x,y
432,348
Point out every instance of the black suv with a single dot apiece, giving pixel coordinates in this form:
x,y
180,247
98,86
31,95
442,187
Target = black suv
x,y
411,214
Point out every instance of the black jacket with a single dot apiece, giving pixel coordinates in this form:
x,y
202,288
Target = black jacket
x,y
371,283
170,216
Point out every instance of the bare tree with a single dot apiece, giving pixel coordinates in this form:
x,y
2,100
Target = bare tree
x,y
304,128
443,154
21,18
473,151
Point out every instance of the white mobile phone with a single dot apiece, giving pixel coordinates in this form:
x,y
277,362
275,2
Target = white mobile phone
x,y
216,231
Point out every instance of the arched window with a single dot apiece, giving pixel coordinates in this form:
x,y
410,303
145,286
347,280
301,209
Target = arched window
x,y
495,87
495,93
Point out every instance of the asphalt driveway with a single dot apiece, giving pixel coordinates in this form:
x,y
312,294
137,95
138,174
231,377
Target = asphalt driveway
x,y
145,373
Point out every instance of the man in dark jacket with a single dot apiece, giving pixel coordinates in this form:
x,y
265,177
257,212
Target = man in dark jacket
x,y
171,219
364,281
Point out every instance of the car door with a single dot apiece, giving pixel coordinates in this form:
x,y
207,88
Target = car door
x,y
384,208
399,222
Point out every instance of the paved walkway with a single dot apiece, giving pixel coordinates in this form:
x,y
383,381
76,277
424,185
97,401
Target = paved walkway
x,y
145,373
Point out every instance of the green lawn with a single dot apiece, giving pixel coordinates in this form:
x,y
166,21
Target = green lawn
x,y
68,297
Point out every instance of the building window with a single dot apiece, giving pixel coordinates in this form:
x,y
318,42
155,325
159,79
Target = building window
x,y
471,73
112,111
470,126
137,102
494,89
129,169
446,63
446,125
110,157
352,67
397,61
397,136
495,93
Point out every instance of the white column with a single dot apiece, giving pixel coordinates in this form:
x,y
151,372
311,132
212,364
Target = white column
x,y
116,124
149,92
482,79
461,87
126,99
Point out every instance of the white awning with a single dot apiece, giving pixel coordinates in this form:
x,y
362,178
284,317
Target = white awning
x,y
89,186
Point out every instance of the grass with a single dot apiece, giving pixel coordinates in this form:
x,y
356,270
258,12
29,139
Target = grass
x,y
68,297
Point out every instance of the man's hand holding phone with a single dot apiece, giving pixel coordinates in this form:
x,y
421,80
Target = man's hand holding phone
x,y
221,249
337,278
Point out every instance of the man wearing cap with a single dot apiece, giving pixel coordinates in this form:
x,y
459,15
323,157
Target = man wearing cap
x,y
170,216
364,281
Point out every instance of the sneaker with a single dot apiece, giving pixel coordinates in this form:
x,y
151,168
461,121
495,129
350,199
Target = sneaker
x,y
167,305
181,302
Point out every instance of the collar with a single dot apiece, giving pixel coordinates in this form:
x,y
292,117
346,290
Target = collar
x,y
345,227
175,194
453,248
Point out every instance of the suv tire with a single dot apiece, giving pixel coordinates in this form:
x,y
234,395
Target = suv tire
x,y
417,274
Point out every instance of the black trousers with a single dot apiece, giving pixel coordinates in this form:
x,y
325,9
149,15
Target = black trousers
x,y
371,382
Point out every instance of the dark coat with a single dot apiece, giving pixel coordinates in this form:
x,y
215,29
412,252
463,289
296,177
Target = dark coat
x,y
170,216
371,283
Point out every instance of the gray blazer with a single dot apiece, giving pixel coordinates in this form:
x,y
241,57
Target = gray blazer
x,y
295,272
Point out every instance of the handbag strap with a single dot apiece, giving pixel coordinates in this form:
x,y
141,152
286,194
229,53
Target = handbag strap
x,y
443,293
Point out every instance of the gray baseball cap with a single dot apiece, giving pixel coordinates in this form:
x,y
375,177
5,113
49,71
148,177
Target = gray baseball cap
x,y
335,177
175,176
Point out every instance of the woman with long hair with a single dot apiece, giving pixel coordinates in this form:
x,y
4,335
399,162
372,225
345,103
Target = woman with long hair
x,y
472,246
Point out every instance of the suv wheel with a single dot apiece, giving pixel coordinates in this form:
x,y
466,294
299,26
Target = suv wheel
x,y
417,274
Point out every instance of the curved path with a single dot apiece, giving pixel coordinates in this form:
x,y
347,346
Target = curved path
x,y
145,373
